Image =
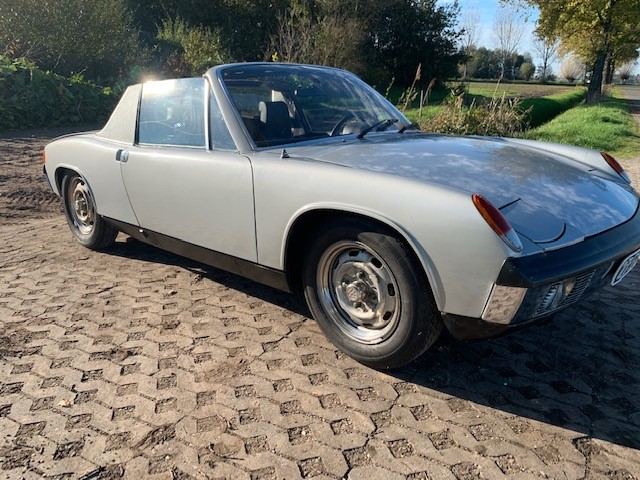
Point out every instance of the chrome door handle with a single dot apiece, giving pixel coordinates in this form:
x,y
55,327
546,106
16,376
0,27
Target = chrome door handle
x,y
122,156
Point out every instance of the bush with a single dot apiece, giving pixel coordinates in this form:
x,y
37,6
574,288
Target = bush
x,y
190,51
96,38
499,117
30,97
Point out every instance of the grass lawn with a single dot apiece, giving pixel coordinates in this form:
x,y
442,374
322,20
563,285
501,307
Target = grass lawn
x,y
427,113
607,126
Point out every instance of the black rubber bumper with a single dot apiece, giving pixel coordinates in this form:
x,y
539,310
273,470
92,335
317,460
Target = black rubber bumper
x,y
548,267
600,254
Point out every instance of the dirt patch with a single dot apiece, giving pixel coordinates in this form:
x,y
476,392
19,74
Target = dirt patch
x,y
24,193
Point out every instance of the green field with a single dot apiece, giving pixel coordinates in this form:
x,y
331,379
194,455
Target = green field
x,y
520,90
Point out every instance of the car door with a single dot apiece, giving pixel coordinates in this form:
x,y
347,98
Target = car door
x,y
182,185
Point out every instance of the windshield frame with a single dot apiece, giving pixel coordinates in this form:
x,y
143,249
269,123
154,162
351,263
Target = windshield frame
x,y
388,106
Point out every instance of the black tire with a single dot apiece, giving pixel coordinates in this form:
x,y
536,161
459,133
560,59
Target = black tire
x,y
89,228
329,284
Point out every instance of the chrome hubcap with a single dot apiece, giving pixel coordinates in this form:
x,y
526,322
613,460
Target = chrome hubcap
x,y
81,208
359,292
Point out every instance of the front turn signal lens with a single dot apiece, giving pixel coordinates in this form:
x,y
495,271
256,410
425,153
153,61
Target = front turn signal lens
x,y
613,163
44,157
497,222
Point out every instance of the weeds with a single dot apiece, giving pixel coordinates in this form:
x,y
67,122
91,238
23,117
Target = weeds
x,y
411,93
500,116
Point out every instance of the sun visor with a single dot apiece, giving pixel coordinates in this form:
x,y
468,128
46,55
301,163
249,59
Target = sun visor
x,y
121,126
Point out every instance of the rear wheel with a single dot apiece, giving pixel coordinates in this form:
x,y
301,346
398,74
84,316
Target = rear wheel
x,y
89,228
369,295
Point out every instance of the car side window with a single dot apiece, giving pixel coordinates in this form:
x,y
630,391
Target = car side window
x,y
220,136
172,113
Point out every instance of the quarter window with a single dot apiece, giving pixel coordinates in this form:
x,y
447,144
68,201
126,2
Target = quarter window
x,y
172,113
220,136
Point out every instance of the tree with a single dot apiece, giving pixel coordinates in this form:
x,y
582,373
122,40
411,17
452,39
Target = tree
x,y
626,71
508,33
71,36
405,33
596,30
469,35
330,37
548,51
571,69
190,51
245,26
292,41
527,69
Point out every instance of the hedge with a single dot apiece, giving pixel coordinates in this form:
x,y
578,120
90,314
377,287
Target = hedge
x,y
30,97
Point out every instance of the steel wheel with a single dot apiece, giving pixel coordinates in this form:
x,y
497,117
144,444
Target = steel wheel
x,y
367,292
82,208
89,228
359,292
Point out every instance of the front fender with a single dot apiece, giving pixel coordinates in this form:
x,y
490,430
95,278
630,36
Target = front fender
x,y
459,252
426,262
590,158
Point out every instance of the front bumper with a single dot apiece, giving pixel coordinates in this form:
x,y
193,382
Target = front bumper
x,y
587,266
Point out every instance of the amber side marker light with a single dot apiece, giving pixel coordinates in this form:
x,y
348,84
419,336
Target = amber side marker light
x,y
44,157
496,220
613,163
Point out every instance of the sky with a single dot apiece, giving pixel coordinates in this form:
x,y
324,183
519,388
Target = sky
x,y
487,9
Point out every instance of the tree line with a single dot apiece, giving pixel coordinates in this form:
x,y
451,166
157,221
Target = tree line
x,y
377,39
383,41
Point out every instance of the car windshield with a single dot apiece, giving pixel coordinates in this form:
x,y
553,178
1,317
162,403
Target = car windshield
x,y
281,104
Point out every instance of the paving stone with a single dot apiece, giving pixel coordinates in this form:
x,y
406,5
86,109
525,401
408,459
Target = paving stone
x,y
137,363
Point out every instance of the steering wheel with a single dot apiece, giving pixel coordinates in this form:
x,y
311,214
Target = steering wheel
x,y
341,123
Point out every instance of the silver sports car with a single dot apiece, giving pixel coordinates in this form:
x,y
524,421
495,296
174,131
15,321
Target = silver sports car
x,y
306,179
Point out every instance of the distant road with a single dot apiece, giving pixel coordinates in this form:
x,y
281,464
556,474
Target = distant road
x,y
632,95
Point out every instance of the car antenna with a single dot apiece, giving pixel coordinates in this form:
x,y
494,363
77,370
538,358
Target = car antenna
x,y
284,154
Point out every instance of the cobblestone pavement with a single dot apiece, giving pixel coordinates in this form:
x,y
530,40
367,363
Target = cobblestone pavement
x,y
136,363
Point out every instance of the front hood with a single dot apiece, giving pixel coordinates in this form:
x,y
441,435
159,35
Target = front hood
x,y
557,195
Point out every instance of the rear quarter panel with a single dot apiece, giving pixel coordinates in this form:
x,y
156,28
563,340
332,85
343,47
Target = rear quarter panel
x,y
94,159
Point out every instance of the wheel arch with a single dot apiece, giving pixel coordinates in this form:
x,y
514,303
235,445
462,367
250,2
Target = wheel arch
x,y
59,174
301,225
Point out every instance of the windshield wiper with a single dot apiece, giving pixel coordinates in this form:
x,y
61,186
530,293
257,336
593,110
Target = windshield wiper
x,y
411,126
378,127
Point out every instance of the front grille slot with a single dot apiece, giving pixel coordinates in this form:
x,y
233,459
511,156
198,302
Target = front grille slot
x,y
539,301
582,283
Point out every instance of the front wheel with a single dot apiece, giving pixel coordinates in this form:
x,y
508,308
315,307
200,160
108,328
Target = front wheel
x,y
89,228
369,295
